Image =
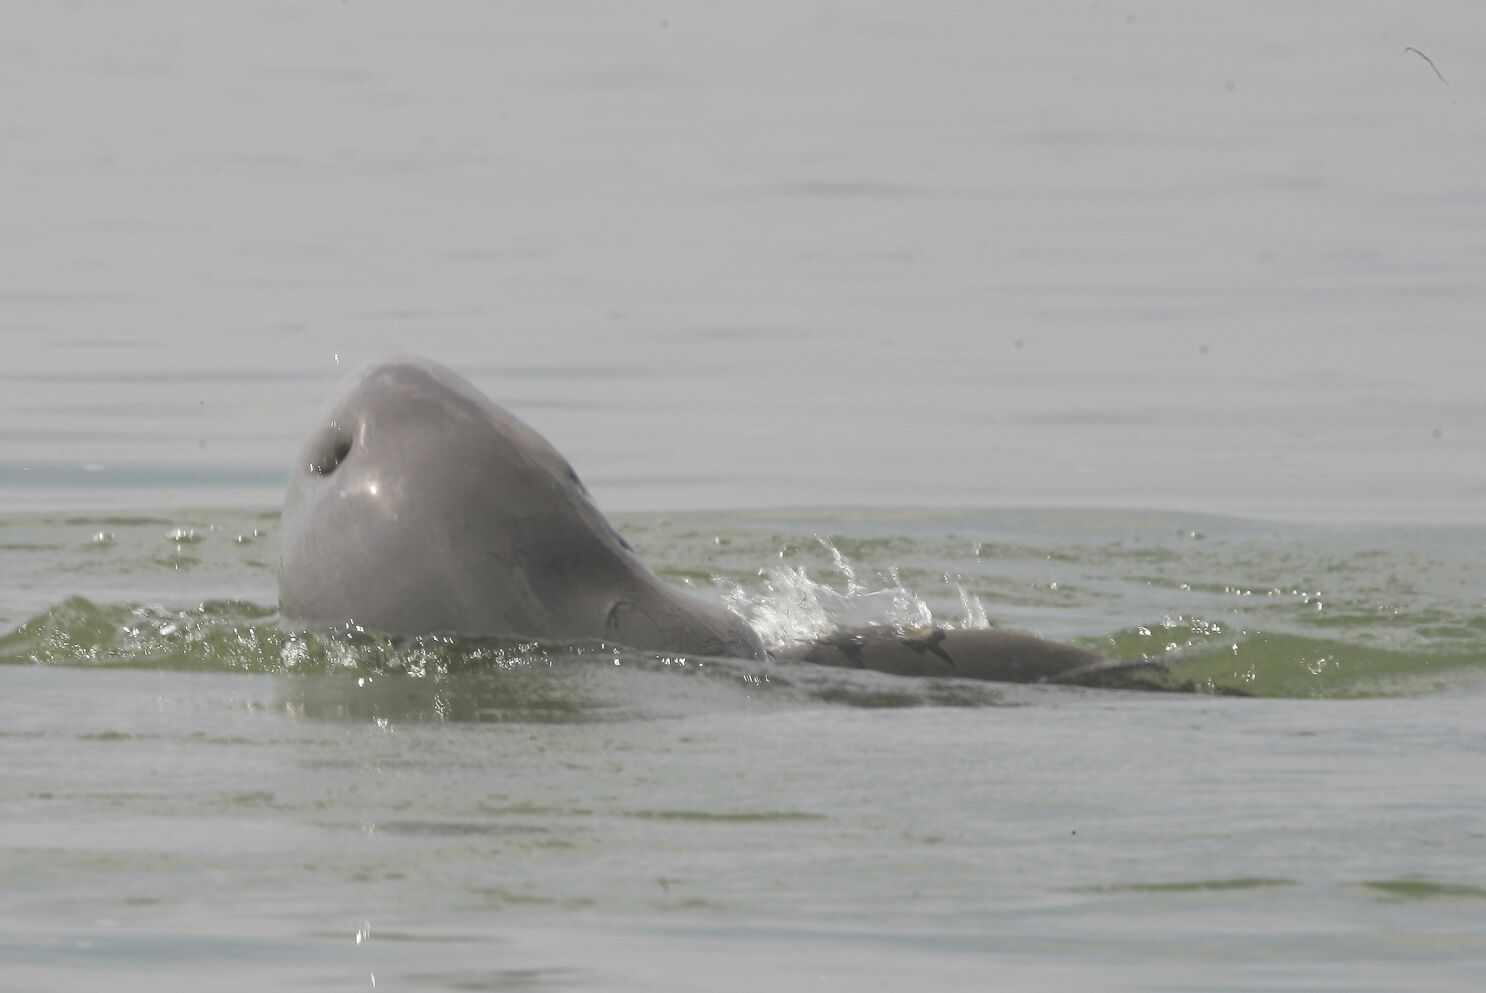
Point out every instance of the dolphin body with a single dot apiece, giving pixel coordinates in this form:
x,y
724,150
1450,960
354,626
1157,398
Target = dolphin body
x,y
418,506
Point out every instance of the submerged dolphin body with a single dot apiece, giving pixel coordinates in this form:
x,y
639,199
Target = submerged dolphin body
x,y
418,506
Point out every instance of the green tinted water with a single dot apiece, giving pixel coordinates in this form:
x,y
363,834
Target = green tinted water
x,y
194,793
1234,606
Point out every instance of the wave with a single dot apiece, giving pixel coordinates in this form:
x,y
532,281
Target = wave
x,y
242,636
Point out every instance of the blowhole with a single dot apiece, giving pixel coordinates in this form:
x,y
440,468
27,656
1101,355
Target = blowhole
x,y
330,450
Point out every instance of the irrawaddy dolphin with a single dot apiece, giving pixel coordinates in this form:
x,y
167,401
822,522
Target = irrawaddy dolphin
x,y
418,506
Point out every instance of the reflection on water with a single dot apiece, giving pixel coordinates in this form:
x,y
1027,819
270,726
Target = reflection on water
x,y
541,690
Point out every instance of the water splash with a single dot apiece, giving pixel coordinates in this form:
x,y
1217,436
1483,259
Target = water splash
x,y
975,611
235,635
788,605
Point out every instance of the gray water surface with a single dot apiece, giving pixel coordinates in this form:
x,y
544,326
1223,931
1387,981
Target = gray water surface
x,y
1206,256
196,797
172,832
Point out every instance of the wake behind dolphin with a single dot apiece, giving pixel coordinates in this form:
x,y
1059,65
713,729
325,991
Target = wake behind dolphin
x,y
418,506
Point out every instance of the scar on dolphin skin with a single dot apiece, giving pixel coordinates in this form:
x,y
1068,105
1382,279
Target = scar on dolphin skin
x,y
930,645
849,645
1411,48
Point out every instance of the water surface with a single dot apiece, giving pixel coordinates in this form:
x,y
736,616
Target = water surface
x,y
196,792
1199,256
1180,304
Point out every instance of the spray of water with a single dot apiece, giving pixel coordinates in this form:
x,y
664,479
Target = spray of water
x,y
789,605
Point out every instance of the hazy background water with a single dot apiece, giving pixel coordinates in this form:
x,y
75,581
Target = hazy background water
x,y
1209,256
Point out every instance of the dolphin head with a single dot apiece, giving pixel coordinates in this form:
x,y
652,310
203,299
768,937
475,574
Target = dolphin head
x,y
418,506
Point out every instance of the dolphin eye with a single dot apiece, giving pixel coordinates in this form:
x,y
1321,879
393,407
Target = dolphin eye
x,y
329,450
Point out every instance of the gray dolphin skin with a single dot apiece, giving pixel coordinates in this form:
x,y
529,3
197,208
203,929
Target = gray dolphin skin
x,y
418,506
981,653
